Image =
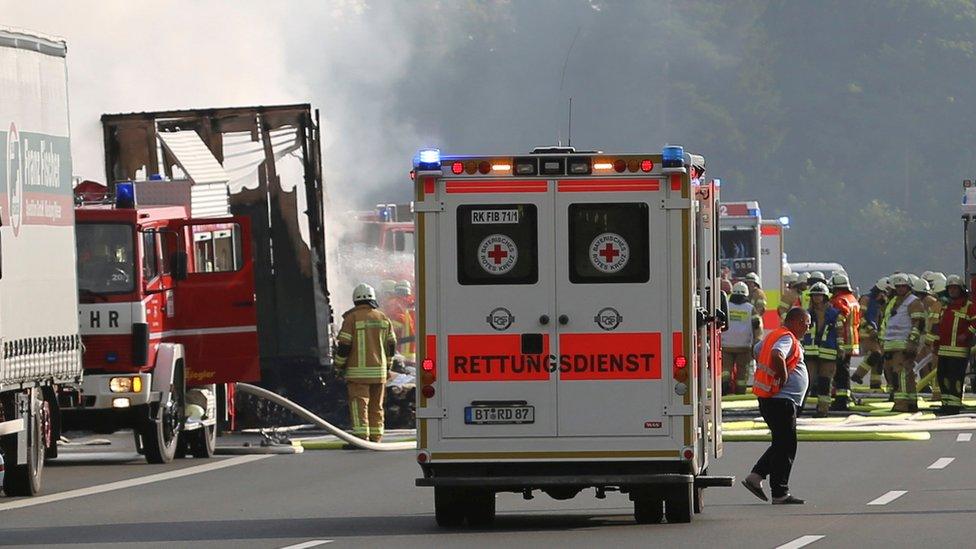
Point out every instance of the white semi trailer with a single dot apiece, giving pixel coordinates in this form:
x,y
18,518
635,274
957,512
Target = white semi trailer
x,y
41,348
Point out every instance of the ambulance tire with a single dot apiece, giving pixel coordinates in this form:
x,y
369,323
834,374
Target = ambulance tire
x,y
479,508
678,504
448,507
648,507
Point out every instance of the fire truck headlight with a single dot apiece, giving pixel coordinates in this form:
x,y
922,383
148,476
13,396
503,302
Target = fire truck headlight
x,y
125,385
673,156
428,159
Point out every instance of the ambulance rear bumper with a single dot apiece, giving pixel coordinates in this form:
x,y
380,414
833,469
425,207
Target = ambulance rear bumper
x,y
576,481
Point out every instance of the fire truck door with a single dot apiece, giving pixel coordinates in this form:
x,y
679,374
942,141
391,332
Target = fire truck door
x,y
213,309
496,318
612,307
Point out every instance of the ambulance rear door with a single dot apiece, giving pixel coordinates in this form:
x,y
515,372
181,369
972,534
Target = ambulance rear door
x,y
496,315
613,309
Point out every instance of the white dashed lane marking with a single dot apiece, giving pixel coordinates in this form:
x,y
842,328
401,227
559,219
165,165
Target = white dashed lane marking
x,y
964,437
800,542
307,544
888,498
941,463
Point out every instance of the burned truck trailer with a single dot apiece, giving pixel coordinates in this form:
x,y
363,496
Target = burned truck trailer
x,y
272,155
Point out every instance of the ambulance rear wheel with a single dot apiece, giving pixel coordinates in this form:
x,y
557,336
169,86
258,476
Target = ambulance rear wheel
x,y
479,507
678,505
648,508
448,507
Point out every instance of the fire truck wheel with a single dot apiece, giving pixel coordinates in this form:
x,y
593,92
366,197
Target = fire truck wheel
x,y
648,507
448,507
479,507
160,435
25,480
678,503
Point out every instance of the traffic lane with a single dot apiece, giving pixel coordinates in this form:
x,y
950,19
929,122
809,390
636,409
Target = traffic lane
x,y
366,497
79,466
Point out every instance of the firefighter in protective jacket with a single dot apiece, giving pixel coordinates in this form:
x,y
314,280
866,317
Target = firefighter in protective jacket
x,y
901,331
956,332
737,341
365,354
820,344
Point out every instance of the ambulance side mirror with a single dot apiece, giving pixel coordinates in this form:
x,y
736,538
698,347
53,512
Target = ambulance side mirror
x,y
179,265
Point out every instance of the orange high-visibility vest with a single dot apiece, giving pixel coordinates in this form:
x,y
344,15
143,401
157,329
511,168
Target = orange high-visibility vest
x,y
766,385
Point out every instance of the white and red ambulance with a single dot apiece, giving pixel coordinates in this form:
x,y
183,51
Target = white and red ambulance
x,y
567,331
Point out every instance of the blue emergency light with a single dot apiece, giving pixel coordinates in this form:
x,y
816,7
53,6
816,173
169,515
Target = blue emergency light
x,y
673,156
125,195
427,159
156,177
784,221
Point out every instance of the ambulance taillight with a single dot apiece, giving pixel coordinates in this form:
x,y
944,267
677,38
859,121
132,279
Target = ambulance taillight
x,y
428,377
680,368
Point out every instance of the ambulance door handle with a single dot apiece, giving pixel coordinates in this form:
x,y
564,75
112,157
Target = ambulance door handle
x,y
564,319
544,319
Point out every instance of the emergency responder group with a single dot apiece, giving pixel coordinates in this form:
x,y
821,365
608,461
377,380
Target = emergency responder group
x,y
914,334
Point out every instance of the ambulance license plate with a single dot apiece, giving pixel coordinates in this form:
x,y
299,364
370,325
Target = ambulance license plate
x,y
498,415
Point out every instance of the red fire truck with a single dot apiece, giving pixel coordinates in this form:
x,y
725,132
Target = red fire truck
x,y
167,315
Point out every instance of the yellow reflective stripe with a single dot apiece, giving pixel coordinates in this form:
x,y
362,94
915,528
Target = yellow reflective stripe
x,y
361,370
828,354
343,336
339,360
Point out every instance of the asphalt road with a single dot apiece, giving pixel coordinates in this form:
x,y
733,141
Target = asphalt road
x,y
357,498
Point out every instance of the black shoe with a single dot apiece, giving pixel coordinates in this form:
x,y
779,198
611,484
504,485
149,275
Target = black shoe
x,y
788,500
755,489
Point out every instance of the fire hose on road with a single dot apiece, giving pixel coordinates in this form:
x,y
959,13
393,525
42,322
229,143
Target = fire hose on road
x,y
319,422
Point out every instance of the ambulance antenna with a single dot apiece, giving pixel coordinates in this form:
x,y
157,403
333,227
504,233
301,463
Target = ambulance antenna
x,y
569,138
562,80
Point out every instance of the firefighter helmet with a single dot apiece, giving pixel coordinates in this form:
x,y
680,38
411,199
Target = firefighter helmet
x,y
912,278
920,285
819,289
403,288
740,288
752,277
900,279
816,276
938,286
936,276
840,280
926,275
363,292
955,280
883,284
791,278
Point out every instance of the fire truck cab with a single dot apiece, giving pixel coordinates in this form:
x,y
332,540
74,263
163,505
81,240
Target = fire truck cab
x,y
166,313
567,329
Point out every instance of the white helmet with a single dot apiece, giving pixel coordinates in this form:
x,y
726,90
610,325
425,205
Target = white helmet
x,y
920,285
926,275
819,288
955,280
900,279
403,288
912,278
740,288
816,276
791,278
752,277
363,292
938,286
935,276
883,284
840,280
387,286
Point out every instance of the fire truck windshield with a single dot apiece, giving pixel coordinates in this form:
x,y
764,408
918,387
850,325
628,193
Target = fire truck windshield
x,y
105,258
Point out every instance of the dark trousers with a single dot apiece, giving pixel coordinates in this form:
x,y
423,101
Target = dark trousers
x,y
780,415
951,375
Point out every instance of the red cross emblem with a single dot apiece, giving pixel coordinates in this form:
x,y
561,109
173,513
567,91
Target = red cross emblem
x,y
609,253
498,254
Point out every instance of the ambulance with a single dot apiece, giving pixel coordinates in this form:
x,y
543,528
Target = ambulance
x,y
568,320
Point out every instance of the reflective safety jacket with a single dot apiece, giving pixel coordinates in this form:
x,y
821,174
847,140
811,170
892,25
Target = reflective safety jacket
x,y
904,319
765,384
787,300
820,340
933,314
848,321
758,299
366,345
740,334
956,328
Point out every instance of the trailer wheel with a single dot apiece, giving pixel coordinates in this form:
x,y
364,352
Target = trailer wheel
x,y
479,507
648,508
699,500
448,508
203,441
678,506
25,480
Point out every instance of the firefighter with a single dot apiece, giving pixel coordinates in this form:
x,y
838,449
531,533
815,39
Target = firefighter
x,y
364,356
404,323
812,278
789,296
872,305
801,287
901,328
933,312
737,341
848,337
820,346
387,291
726,281
758,299
956,328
